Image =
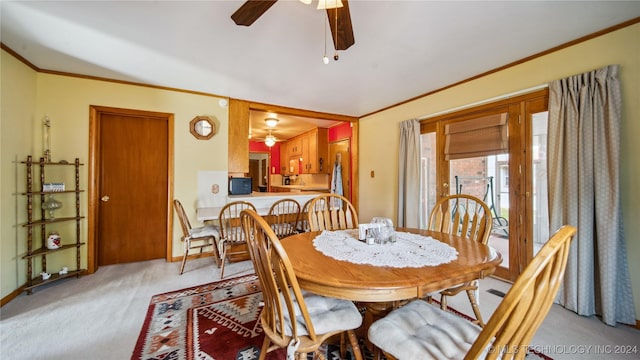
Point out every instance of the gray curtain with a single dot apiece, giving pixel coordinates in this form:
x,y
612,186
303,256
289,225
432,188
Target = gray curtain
x,y
409,175
584,191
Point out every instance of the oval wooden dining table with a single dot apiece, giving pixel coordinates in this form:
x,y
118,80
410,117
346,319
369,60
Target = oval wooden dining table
x,y
382,288
327,276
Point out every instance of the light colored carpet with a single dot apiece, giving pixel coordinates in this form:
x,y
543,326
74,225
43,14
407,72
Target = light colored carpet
x,y
100,316
563,334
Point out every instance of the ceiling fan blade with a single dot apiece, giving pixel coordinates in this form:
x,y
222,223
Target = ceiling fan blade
x,y
344,38
250,11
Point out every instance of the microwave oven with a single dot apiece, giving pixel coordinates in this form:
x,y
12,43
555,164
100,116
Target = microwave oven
x,y
240,186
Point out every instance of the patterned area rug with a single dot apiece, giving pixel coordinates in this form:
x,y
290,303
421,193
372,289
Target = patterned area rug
x,y
216,321
219,320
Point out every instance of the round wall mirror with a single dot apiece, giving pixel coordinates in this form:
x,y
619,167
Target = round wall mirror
x,y
202,127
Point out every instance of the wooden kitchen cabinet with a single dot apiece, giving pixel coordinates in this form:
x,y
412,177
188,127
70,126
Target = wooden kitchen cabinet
x,y
294,165
279,189
310,149
294,146
315,149
284,158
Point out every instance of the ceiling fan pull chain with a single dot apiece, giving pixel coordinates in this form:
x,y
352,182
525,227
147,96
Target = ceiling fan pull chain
x,y
335,42
325,59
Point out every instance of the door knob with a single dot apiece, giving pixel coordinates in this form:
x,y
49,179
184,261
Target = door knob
x,y
105,198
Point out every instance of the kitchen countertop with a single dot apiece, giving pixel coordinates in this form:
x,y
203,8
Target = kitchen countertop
x,y
261,200
257,194
311,187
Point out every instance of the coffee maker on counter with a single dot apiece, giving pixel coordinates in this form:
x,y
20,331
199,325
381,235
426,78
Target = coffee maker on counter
x,y
286,180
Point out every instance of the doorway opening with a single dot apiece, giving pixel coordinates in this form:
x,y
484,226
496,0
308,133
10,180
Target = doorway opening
x,y
259,171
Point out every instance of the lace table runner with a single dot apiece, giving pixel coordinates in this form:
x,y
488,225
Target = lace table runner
x,y
409,250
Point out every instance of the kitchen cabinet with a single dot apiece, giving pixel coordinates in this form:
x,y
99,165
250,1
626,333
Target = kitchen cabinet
x,y
295,146
284,158
315,149
306,153
279,189
294,165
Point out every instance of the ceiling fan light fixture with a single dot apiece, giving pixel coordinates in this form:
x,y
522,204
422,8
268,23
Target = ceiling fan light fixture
x,y
329,4
269,140
271,121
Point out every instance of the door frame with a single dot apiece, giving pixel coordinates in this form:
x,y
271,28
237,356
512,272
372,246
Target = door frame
x,y
268,170
519,107
346,140
95,114
239,113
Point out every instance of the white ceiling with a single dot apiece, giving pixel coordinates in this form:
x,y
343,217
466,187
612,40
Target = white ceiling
x,y
402,49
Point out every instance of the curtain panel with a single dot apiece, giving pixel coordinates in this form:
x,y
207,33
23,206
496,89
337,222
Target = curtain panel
x,y
409,175
584,191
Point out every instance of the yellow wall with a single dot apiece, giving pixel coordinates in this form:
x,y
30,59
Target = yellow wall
x,y
28,96
18,116
379,133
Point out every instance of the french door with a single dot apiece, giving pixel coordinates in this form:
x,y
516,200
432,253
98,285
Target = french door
x,y
495,152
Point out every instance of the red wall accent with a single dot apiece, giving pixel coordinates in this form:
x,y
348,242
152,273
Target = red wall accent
x,y
275,158
274,153
340,132
258,146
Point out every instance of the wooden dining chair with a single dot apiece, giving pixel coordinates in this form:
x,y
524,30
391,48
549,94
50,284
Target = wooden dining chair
x,y
331,212
232,244
298,320
468,217
303,220
196,238
283,217
420,330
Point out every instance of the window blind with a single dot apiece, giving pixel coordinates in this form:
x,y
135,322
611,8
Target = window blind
x,y
477,137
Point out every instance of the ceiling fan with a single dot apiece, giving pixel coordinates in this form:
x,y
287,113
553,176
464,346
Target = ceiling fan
x,y
342,31
269,139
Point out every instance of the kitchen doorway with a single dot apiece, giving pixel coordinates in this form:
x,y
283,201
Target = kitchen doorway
x,y
259,171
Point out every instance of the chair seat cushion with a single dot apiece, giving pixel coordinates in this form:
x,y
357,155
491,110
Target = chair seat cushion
x,y
204,231
420,330
327,315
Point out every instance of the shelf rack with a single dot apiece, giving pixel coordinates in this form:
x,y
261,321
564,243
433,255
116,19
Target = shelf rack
x,y
34,223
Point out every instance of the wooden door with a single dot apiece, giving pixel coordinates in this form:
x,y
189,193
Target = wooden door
x,y
131,169
341,150
254,172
